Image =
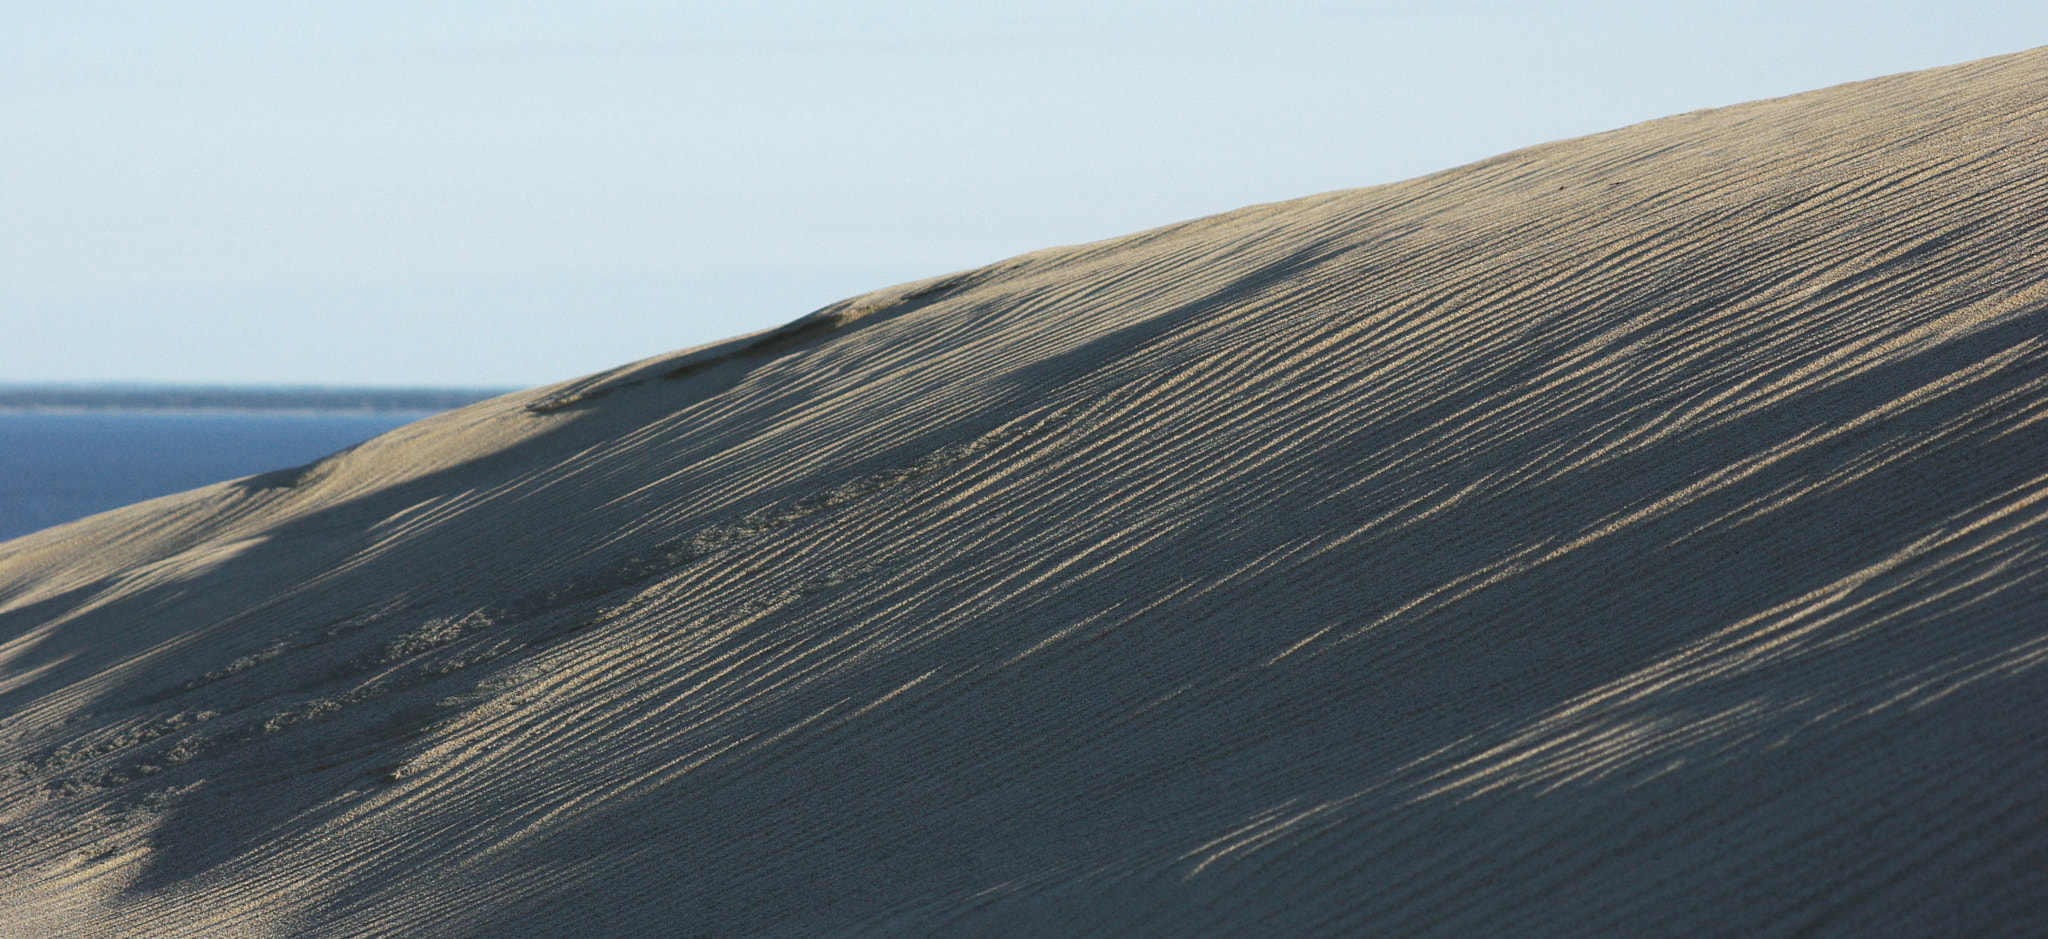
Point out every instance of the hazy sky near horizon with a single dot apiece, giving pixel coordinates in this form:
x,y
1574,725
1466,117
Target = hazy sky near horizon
x,y
511,193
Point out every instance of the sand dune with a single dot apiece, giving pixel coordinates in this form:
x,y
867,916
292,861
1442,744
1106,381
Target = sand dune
x,y
1639,534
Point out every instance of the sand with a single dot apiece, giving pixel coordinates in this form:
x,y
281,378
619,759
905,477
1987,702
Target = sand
x,y
1638,534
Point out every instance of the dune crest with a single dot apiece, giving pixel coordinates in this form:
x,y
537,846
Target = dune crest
x,y
1635,534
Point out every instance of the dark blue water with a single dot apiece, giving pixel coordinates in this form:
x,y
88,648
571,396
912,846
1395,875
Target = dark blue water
x,y
55,467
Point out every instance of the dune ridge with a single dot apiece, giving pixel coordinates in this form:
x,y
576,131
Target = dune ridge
x,y
1642,533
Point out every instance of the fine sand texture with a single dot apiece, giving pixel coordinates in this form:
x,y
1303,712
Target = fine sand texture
x,y
1639,534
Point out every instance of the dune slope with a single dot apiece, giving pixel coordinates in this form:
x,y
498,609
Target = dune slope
x,y
1639,534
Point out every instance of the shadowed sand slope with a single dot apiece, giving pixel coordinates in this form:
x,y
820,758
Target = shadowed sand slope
x,y
1635,534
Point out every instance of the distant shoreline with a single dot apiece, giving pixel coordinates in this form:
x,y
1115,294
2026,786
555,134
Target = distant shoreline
x,y
57,398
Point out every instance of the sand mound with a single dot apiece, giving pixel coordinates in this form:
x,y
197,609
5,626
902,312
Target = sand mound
x,y
1637,534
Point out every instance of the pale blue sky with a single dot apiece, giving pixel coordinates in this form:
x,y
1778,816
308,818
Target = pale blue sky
x,y
508,193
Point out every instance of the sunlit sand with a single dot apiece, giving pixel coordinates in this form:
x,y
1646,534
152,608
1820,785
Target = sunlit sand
x,y
1640,534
